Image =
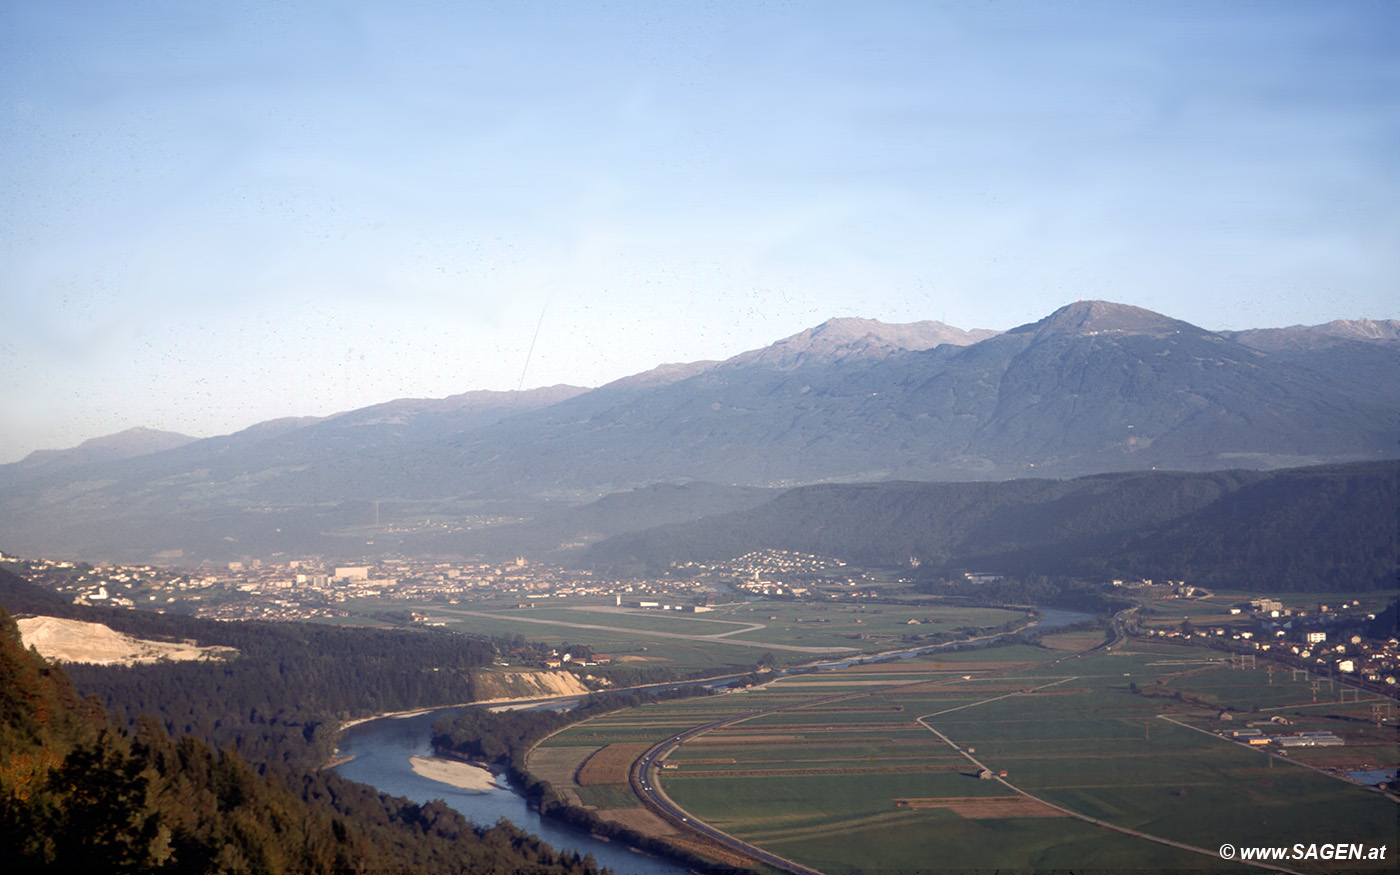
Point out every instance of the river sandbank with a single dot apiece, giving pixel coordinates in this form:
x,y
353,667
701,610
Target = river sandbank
x,y
463,776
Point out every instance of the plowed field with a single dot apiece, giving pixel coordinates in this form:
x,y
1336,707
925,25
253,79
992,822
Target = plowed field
x,y
982,807
611,764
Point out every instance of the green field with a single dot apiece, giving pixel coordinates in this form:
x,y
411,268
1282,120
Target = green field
x,y
728,638
862,784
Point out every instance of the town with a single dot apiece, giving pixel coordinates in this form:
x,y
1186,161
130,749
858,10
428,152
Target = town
x,y
1332,638
313,588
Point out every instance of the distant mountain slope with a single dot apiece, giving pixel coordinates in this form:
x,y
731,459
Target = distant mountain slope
x,y
283,442
1093,387
1385,332
122,445
555,531
1329,528
661,375
455,413
1366,352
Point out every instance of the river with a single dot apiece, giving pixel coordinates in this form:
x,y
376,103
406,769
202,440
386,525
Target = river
x,y
381,749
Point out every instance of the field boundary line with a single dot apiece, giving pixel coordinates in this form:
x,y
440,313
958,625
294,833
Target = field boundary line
x,y
920,720
1163,840
503,616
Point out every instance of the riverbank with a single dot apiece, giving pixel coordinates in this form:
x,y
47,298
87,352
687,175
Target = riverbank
x,y
382,752
463,776
401,714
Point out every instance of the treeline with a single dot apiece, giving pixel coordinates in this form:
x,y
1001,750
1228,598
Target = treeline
x,y
1322,529
78,793
505,737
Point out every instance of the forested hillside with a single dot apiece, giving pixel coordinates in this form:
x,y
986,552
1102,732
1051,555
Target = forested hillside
x,y
78,794
1329,528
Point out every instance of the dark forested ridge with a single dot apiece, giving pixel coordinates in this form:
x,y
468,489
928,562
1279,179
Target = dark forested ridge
x,y
1327,528
80,794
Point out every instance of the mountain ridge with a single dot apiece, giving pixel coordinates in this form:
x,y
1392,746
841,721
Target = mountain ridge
x,y
1384,331
1093,387
131,442
835,339
845,338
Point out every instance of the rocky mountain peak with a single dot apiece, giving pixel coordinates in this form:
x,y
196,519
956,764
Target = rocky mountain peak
x,y
844,339
1306,337
1102,317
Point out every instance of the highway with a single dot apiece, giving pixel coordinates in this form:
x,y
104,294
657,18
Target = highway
x,y
646,788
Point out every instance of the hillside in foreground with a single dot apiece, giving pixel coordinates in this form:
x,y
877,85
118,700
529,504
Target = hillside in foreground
x,y
80,793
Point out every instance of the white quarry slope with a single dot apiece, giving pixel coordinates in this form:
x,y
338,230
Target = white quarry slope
x,y
62,640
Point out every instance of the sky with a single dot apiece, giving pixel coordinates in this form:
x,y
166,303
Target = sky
x,y
215,214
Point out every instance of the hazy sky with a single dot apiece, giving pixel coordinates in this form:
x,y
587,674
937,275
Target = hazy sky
x,y
213,214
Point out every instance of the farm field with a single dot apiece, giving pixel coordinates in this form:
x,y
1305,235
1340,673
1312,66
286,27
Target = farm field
x,y
883,773
732,637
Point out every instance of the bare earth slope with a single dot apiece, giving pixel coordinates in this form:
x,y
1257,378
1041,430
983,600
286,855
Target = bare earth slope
x,y
75,641
500,685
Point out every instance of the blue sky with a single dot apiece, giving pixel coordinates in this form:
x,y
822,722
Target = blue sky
x,y
213,214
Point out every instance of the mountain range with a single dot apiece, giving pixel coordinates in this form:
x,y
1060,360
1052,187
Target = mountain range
x,y
1094,387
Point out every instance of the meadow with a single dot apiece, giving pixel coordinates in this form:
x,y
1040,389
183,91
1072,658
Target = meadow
x,y
885,776
729,638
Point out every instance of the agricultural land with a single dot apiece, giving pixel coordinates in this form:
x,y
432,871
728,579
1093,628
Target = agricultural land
x,y
730,636
1133,756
